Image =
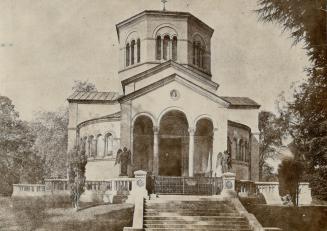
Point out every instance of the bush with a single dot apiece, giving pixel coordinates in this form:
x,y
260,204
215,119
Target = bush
x,y
318,183
289,175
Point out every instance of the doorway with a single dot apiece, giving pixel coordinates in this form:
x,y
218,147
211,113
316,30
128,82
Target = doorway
x,y
170,157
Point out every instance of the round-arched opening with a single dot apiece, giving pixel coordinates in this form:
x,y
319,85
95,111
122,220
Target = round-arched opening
x,y
173,144
203,143
143,144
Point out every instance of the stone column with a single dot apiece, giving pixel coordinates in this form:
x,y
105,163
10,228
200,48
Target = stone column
x,y
170,49
162,46
125,125
156,150
254,157
191,152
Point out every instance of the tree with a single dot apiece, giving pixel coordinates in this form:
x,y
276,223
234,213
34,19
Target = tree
x,y
272,131
289,173
76,173
17,161
83,86
50,130
307,113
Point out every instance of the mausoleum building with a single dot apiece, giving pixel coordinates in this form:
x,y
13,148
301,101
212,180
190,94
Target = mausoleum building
x,y
169,112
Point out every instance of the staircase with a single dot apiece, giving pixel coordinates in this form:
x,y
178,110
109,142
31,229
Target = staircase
x,y
192,213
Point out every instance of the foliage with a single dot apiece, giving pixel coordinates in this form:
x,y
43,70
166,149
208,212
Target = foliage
x,y
305,20
83,86
306,115
272,130
289,173
76,173
17,161
318,182
268,173
50,130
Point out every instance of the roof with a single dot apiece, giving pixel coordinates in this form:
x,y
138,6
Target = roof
x,y
200,76
163,13
94,96
240,102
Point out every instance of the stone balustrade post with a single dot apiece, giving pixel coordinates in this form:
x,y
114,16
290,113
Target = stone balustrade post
x,y
138,191
228,185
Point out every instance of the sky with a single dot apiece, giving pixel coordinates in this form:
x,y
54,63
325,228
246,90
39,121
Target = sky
x,y
47,44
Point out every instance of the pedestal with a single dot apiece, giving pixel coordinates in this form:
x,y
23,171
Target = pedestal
x,y
228,185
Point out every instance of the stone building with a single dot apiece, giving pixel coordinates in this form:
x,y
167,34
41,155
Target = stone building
x,y
170,114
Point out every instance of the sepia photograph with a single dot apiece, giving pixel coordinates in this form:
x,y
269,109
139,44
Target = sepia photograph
x,y
163,115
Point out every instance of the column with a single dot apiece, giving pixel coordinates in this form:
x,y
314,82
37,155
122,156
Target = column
x,y
156,150
170,49
191,152
254,157
162,46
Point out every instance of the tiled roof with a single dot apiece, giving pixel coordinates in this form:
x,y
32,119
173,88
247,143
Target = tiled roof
x,y
93,96
240,102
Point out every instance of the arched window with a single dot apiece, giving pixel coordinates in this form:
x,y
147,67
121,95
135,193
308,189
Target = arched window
x,y
108,144
100,146
158,48
91,146
138,50
82,144
229,145
247,152
174,49
234,150
132,51
239,150
127,55
199,52
243,151
166,42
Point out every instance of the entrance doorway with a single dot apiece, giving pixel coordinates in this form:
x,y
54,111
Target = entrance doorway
x,y
170,157
173,144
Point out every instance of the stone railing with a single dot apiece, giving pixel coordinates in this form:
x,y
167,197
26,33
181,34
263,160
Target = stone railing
x,y
245,188
56,185
28,189
116,184
270,191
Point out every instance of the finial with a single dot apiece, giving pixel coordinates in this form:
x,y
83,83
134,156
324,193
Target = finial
x,y
164,4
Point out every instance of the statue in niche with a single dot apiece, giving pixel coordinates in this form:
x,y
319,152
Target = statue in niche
x,y
124,159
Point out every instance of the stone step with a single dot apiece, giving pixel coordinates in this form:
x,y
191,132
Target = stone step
x,y
189,209
190,206
190,213
207,222
196,218
197,229
194,226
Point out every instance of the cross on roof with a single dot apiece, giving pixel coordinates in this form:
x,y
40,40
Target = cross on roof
x,y
164,4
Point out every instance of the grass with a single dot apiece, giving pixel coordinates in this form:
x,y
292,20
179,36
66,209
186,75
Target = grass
x,y
56,213
304,218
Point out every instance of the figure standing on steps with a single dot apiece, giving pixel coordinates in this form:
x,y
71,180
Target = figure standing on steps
x,y
124,159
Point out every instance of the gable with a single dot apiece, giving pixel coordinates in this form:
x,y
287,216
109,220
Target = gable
x,y
159,72
182,81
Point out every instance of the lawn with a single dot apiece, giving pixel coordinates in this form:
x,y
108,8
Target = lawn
x,y
305,218
55,213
